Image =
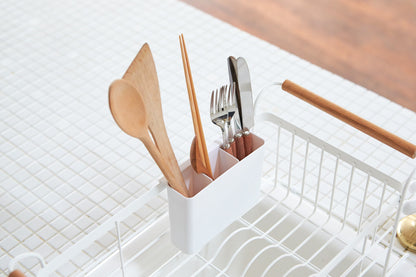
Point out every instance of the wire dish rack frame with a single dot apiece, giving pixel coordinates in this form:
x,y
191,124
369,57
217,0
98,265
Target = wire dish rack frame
x,y
322,212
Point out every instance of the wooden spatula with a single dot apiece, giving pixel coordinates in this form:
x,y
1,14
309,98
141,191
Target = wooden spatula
x,y
143,76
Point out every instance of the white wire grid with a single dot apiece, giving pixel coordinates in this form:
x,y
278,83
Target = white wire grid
x,y
66,168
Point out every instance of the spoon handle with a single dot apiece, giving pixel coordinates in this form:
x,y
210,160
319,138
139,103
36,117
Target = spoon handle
x,y
163,165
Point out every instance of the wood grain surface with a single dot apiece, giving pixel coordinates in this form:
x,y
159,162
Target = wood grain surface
x,y
143,76
355,121
371,43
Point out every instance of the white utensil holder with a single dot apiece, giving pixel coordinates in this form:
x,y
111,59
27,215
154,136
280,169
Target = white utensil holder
x,y
215,204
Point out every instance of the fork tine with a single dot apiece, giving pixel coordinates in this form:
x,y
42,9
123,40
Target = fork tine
x,y
216,100
211,105
225,100
219,103
230,94
221,99
214,96
225,97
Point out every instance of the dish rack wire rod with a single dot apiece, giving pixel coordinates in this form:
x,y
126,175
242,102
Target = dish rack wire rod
x,y
371,172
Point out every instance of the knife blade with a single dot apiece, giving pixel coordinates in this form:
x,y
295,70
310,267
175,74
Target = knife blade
x,y
232,71
246,95
236,131
246,103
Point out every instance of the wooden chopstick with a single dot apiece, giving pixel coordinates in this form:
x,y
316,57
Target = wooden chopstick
x,y
194,111
202,148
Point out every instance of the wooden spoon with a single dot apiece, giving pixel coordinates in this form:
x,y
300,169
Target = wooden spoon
x,y
129,112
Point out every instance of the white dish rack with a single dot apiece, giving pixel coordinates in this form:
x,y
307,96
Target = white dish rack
x,y
322,212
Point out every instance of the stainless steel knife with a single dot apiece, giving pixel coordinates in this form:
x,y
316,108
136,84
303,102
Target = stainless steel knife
x,y
236,139
239,74
246,103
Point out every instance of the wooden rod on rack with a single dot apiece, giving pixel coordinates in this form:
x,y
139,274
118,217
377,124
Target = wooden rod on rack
x,y
16,273
355,121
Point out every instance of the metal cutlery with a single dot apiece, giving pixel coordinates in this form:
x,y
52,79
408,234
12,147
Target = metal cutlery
x,y
222,110
240,75
246,103
238,135
232,106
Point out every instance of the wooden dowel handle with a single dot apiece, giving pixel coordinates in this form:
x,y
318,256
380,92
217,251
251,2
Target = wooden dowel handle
x,y
16,273
355,121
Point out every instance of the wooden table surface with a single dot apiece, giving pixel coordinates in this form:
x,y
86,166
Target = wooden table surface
x,y
371,43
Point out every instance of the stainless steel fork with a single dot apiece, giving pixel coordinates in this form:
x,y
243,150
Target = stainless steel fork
x,y
222,110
